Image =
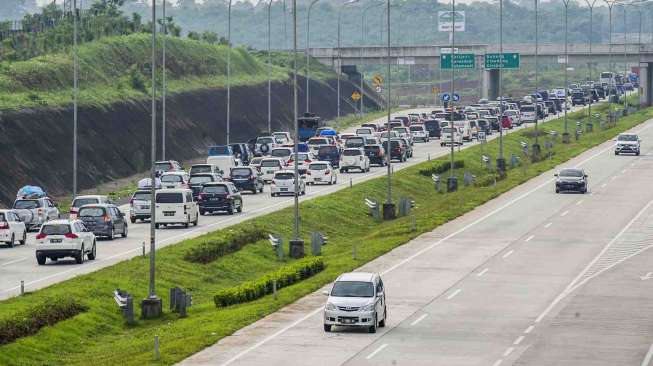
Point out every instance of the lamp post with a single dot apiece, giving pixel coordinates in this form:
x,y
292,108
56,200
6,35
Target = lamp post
x,y
363,13
590,5
565,135
388,206
610,4
501,161
75,97
339,66
152,306
269,71
625,61
164,86
536,145
452,182
308,57
229,72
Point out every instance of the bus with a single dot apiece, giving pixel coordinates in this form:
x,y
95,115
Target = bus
x,y
308,125
607,78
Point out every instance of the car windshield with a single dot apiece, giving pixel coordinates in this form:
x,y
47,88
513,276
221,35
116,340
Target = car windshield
x,y
91,212
201,169
284,176
171,178
55,229
448,130
320,166
255,161
240,172
26,204
141,196
401,129
627,138
351,152
270,163
302,156
363,131
528,108
164,166
416,128
281,153
571,173
169,197
200,179
79,202
318,142
221,189
352,289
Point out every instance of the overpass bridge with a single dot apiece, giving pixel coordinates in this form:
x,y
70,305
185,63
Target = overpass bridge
x,y
635,55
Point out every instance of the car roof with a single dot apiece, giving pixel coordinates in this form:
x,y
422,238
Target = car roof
x,y
319,162
174,173
284,171
357,276
60,222
277,159
215,184
98,196
100,205
173,190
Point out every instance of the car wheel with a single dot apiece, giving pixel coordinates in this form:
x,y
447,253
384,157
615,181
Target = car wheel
x,y
557,190
202,212
240,207
40,259
372,328
79,258
133,220
616,153
12,241
385,316
156,226
112,233
327,327
125,231
187,223
637,153
24,240
92,255
197,219
254,191
261,190
230,211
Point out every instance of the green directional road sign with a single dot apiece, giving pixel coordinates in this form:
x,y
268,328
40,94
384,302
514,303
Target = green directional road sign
x,y
461,61
510,61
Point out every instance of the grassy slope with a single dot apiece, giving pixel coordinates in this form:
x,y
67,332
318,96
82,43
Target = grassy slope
x,y
101,330
108,65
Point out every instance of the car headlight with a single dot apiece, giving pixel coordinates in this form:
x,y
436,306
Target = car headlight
x,y
330,306
369,307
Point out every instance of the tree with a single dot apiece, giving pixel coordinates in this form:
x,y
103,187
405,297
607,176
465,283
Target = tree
x,y
194,36
210,37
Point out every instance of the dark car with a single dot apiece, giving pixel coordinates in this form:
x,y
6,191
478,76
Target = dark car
x,y
407,146
551,106
579,98
104,220
196,181
376,153
223,196
494,123
242,152
484,126
574,180
600,91
404,120
247,178
329,153
397,150
433,128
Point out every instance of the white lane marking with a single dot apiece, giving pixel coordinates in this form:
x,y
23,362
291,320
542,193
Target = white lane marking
x,y
518,340
413,256
480,274
453,294
646,276
529,329
419,319
529,238
508,254
384,345
579,203
497,362
14,261
572,285
564,213
548,225
508,351
647,358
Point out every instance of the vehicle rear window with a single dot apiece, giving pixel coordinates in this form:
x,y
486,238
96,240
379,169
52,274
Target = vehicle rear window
x,y
240,172
59,229
363,131
327,150
26,204
219,150
284,176
448,130
270,163
280,153
215,189
416,128
351,152
171,178
255,161
372,148
201,169
79,202
162,166
2,217
91,212
165,197
265,140
352,289
318,142
528,108
320,166
200,179
141,196
571,173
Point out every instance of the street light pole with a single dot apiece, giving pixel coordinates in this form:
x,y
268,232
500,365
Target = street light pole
x,y
308,57
229,73
269,71
610,4
590,5
536,145
75,97
388,206
501,161
363,13
339,66
452,182
163,89
295,122
565,135
625,60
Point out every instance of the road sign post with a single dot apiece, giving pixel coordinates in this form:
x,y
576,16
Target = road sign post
x,y
504,60
461,61
356,96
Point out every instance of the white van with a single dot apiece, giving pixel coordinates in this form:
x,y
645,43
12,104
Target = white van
x,y
269,166
464,128
528,113
175,206
224,163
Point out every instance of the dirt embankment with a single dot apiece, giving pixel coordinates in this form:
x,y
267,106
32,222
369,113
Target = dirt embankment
x,y
114,142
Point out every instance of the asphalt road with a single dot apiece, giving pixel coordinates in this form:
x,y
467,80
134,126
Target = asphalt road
x,y
530,278
19,263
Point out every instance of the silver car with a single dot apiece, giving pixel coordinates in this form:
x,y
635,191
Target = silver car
x,y
356,299
139,206
35,211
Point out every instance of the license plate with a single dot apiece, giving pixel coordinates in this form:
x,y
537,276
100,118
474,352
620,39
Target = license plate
x,y
168,213
348,321
317,179
214,199
145,207
55,240
270,171
284,189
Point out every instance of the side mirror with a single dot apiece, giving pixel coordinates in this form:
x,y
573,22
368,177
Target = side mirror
x,y
585,175
379,294
555,175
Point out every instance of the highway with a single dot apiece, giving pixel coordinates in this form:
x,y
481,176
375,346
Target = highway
x,y
19,263
530,278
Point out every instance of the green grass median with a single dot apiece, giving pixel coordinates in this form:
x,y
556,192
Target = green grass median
x,y
100,335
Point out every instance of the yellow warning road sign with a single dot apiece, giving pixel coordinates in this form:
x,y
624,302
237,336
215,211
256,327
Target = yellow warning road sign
x,y
435,90
377,80
355,96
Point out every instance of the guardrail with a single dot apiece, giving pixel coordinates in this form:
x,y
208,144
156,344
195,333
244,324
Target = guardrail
x,y
125,302
317,241
405,206
373,208
277,245
179,301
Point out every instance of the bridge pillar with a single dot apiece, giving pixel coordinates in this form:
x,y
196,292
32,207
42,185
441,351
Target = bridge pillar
x,y
645,84
490,84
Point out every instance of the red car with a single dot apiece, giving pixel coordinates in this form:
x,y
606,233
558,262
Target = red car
x,y
506,122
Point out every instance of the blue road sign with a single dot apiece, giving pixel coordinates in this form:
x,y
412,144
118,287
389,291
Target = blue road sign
x,y
446,97
456,98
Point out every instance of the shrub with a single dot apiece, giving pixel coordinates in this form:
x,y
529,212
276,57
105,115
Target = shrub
x,y
441,167
214,248
285,276
48,313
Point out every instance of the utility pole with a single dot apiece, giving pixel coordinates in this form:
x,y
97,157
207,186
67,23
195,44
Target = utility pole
x,y
165,85
269,71
75,96
565,135
388,206
229,73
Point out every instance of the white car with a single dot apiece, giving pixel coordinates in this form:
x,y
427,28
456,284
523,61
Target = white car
x,y
171,180
446,138
283,137
419,133
314,143
175,206
364,131
269,166
356,299
263,145
627,143
404,132
528,113
321,172
284,153
139,206
80,201
284,183
65,238
354,158
11,228
302,163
